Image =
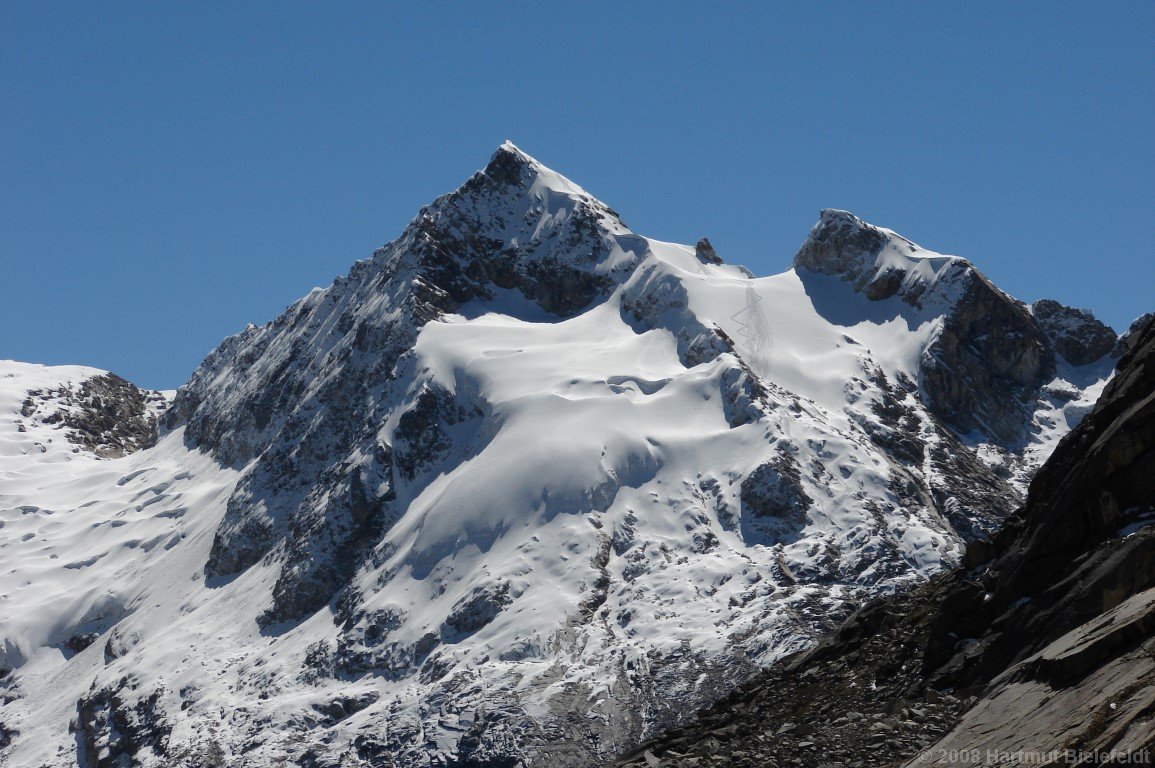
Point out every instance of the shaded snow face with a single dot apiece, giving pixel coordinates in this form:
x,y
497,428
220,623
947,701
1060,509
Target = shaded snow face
x,y
522,478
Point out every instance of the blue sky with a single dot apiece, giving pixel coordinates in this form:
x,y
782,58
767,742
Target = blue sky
x,y
169,172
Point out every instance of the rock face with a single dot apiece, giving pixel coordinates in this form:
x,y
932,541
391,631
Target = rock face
x,y
1129,338
706,253
844,246
112,729
1042,641
774,502
980,381
1075,333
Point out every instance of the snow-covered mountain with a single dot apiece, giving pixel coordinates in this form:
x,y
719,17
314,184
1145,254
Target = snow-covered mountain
x,y
523,486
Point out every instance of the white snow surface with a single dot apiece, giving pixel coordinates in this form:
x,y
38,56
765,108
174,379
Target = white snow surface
x,y
602,462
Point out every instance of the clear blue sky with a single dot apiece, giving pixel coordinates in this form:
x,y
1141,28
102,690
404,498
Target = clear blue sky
x,y
171,171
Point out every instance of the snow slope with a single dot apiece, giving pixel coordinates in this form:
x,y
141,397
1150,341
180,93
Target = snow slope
x,y
525,485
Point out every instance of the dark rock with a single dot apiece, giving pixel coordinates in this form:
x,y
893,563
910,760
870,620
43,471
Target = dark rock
x,y
898,427
336,710
1075,333
774,502
106,414
706,253
478,609
79,642
116,724
745,398
983,372
978,552
1129,338
421,437
843,245
659,300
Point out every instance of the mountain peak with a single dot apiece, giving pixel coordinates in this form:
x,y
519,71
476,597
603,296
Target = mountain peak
x,y
880,263
507,147
840,243
516,224
510,166
834,216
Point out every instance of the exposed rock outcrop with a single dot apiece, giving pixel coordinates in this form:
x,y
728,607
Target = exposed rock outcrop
x,y
706,253
983,372
1130,337
104,414
844,246
1076,334
658,299
773,499
114,731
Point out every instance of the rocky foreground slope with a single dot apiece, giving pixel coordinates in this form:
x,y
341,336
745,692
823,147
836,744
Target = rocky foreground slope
x,y
1041,647
523,487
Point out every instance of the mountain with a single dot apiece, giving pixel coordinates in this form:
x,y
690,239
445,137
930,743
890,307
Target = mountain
x,y
1037,650
522,486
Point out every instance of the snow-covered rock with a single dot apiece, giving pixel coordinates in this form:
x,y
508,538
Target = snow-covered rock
x,y
71,409
524,485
